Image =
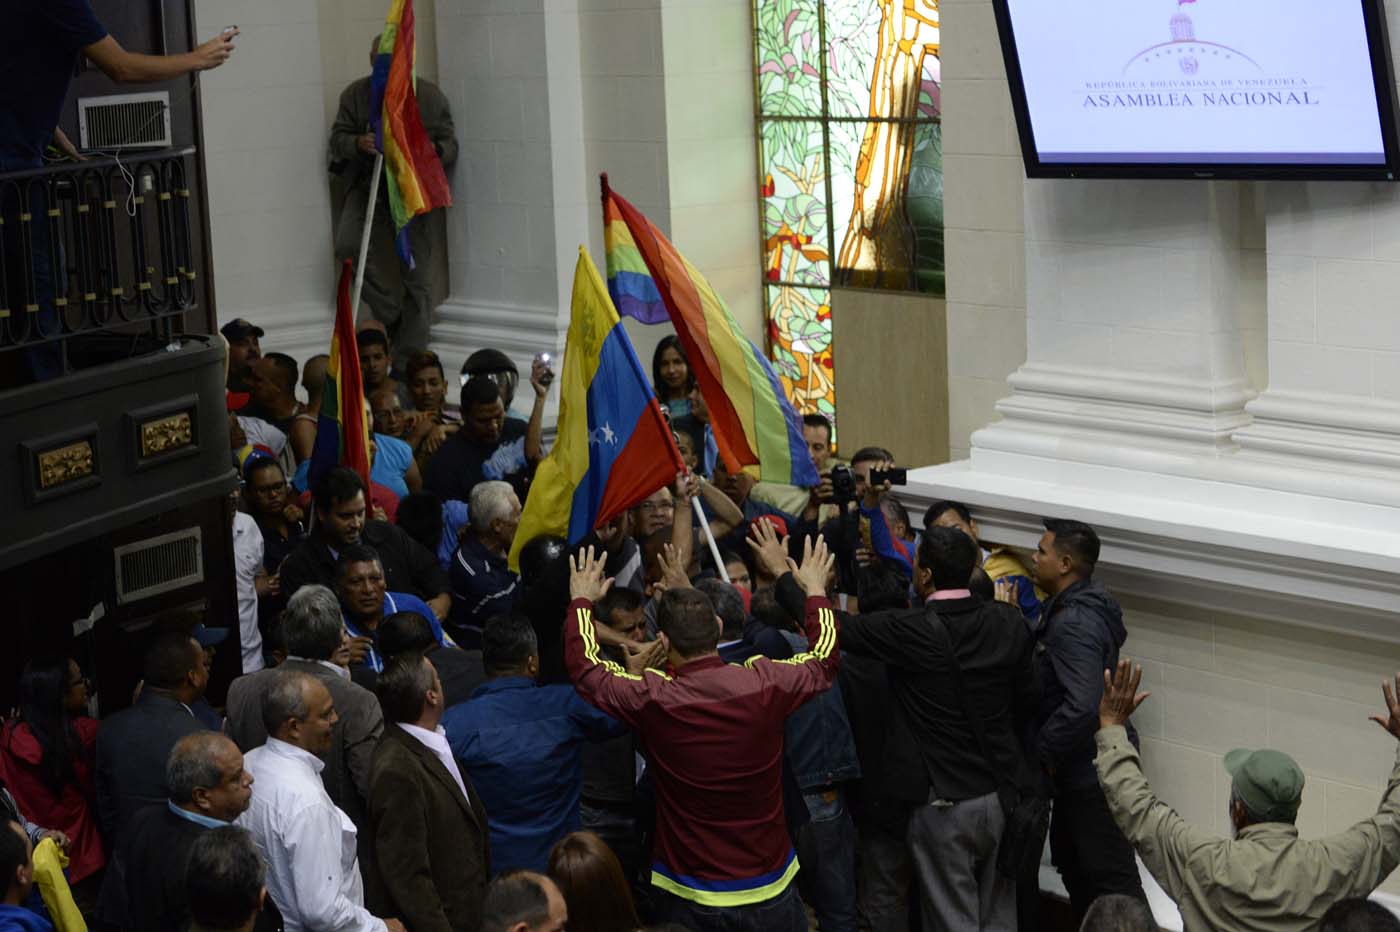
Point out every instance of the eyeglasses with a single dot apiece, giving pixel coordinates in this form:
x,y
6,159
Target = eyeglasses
x,y
657,506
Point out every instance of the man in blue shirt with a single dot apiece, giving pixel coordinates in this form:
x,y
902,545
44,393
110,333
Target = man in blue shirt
x,y
39,46
483,585
520,744
365,602
17,869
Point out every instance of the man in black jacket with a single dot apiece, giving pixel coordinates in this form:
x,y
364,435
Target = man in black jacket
x,y
340,521
1080,633
208,788
937,767
956,829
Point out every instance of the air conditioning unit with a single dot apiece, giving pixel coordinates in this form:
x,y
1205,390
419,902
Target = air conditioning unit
x,y
124,121
159,564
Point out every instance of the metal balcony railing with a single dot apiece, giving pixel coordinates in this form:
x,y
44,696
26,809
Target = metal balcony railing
x,y
100,245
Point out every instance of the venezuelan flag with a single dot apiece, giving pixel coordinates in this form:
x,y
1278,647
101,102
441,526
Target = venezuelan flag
x,y
416,181
342,433
613,447
755,427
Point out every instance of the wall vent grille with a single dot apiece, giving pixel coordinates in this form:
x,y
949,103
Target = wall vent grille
x,y
125,121
159,564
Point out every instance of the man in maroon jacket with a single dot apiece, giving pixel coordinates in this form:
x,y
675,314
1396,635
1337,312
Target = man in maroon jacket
x,y
714,738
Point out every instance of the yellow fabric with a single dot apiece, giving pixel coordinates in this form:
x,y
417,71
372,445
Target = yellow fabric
x,y
559,474
1002,562
49,863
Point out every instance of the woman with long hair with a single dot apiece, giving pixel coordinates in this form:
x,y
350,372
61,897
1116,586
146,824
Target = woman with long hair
x,y
673,381
590,877
671,376
46,759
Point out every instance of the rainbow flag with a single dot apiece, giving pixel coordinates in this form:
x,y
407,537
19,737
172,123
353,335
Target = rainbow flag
x,y
416,181
613,448
755,427
342,432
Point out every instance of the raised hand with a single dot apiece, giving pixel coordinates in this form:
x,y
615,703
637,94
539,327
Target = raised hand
x,y
816,565
1390,722
586,578
672,572
1007,591
771,553
216,51
1120,696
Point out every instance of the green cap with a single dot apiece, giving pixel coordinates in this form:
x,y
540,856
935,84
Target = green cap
x,y
1269,783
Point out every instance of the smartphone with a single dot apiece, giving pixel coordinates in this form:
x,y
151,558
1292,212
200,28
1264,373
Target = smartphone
x,y
896,476
544,359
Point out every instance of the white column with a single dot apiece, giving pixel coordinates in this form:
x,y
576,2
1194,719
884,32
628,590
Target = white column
x,y
659,94
265,131
1138,303
512,73
1329,423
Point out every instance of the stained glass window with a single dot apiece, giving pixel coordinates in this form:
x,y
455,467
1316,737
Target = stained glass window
x,y
850,166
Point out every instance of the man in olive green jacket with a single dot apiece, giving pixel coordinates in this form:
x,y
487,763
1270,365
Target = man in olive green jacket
x,y
405,311
1265,878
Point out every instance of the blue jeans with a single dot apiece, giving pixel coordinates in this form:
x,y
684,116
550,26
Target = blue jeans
x,y
826,849
783,913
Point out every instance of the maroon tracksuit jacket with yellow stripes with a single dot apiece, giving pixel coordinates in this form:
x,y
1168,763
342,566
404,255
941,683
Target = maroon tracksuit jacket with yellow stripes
x,y
713,735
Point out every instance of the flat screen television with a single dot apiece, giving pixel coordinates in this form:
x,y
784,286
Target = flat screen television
x,y
1201,88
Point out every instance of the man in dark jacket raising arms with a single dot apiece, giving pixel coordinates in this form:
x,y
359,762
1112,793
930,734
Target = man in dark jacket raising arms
x,y
1080,632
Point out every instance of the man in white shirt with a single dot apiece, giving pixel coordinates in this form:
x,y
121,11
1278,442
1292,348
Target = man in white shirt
x,y
428,855
308,843
247,567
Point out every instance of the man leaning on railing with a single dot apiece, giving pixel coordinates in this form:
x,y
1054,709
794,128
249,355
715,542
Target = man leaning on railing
x,y
39,47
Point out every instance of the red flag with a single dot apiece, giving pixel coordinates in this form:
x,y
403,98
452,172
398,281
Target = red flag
x,y
342,433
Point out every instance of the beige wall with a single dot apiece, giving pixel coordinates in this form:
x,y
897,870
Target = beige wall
x,y
983,215
1222,681
891,377
1219,680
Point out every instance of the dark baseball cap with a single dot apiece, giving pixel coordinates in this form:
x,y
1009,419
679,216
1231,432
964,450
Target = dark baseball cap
x,y
239,329
1269,783
207,636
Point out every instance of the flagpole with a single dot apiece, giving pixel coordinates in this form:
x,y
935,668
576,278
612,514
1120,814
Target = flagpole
x,y
710,536
364,235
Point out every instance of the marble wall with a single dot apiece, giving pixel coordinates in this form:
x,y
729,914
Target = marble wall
x,y
1206,372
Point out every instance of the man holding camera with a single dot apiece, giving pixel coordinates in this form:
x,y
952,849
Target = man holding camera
x,y
856,492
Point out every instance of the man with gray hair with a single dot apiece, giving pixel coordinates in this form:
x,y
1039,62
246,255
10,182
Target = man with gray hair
x,y
309,844
208,788
313,632
483,585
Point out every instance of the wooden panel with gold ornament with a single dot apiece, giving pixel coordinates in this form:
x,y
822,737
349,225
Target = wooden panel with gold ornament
x,y
160,433
166,434
61,464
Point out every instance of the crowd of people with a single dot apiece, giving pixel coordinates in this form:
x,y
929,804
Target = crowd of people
x,y
846,721
832,718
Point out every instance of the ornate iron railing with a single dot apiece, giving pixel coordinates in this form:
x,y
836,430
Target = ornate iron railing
x,y
99,245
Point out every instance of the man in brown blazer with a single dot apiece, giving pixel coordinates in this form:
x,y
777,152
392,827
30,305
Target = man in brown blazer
x,y
429,848
313,632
